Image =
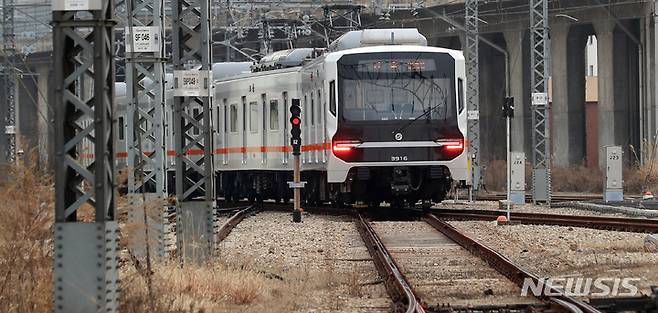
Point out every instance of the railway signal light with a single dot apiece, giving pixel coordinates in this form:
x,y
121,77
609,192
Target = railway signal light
x,y
508,107
295,130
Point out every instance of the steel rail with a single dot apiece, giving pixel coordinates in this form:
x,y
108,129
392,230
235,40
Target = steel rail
x,y
396,285
511,270
554,198
233,221
639,225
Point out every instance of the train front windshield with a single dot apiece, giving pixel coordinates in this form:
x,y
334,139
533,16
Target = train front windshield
x,y
399,86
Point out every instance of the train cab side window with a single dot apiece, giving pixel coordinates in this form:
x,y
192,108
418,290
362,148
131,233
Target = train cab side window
x,y
234,118
122,130
460,94
332,97
274,115
253,116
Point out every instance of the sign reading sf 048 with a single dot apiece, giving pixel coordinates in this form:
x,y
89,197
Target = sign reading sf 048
x,y
192,83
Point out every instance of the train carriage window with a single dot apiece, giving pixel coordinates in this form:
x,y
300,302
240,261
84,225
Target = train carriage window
x,y
122,131
312,119
320,107
332,97
303,111
460,95
274,115
244,114
253,116
234,118
219,116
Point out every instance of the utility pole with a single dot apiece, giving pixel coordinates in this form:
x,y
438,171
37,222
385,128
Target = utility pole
x,y
145,80
85,253
473,91
540,54
193,90
9,49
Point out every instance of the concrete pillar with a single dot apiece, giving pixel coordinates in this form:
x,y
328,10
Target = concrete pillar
x,y
492,93
606,107
568,94
618,88
560,94
519,90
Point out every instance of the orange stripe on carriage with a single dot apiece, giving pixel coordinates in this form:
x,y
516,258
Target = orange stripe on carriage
x,y
234,150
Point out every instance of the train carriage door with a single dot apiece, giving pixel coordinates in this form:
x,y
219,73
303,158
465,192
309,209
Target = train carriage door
x,y
263,148
286,134
312,133
244,130
323,122
318,127
224,134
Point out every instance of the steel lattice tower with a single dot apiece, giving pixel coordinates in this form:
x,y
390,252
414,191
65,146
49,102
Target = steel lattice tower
x,y
9,49
540,54
473,89
85,257
145,80
193,88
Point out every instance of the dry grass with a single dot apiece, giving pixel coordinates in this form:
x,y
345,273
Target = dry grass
x,y
219,288
577,179
25,239
637,178
27,198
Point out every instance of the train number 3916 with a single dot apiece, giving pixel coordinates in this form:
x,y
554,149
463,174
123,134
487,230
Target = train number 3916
x,y
399,158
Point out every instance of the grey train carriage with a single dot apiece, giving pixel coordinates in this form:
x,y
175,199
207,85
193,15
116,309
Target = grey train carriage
x,y
383,120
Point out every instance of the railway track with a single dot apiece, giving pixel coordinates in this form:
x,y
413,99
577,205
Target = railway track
x,y
407,300
233,221
528,197
596,222
411,295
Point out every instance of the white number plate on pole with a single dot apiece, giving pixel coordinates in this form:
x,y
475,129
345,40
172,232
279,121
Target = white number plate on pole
x,y
539,98
76,5
192,83
473,115
145,39
10,130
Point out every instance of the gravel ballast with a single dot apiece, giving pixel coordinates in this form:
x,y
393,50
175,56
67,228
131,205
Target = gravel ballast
x,y
557,251
441,271
325,249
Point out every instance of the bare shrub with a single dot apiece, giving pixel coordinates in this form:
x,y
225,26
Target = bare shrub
x,y
25,239
577,179
564,179
495,175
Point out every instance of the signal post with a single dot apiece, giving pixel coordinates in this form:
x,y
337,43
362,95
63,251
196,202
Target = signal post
x,y
296,143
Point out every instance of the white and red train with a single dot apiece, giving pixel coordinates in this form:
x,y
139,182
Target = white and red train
x,y
383,120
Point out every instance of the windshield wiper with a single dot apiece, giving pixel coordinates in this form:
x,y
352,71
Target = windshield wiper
x,y
432,108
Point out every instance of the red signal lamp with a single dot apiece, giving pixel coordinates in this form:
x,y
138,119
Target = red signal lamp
x,y
295,121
